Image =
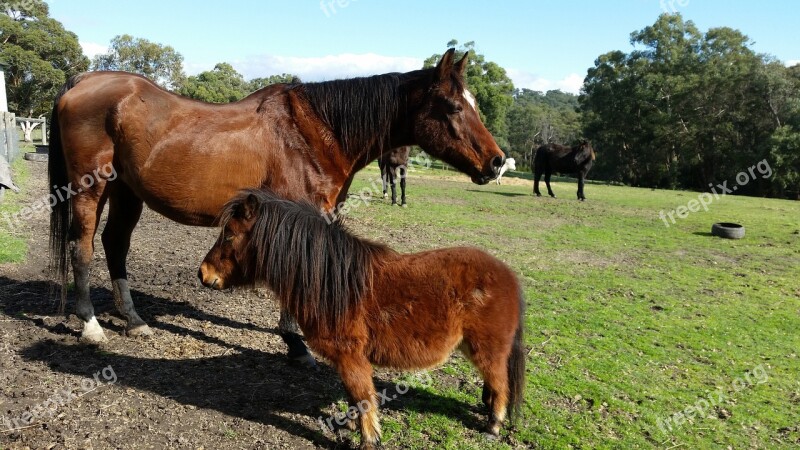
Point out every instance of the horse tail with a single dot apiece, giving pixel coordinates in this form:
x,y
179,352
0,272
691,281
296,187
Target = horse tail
x,y
61,212
516,367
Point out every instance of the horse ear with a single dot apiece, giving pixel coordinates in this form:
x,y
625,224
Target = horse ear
x,y
250,206
461,66
446,63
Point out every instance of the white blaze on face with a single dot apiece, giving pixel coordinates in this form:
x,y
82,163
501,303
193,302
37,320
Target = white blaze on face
x,y
470,99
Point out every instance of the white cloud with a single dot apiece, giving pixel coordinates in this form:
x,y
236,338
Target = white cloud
x,y
91,49
792,62
571,83
330,67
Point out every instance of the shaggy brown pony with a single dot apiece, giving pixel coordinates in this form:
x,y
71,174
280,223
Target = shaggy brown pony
x,y
360,303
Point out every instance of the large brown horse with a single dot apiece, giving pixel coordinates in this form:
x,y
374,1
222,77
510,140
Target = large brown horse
x,y
360,303
185,159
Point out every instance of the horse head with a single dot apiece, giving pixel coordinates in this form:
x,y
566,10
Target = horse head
x,y
446,123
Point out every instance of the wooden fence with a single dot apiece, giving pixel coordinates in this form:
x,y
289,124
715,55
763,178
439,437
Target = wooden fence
x,y
9,139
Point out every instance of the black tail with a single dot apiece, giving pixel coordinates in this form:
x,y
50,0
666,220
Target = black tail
x,y
516,368
61,213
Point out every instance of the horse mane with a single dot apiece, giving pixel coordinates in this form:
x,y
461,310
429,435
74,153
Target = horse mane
x,y
361,111
318,270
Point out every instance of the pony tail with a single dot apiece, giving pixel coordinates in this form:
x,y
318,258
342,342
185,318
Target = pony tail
x,y
516,368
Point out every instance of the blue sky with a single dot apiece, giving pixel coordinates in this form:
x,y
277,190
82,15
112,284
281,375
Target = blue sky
x,y
544,44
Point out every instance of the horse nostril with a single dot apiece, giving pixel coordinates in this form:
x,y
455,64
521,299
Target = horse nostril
x,y
497,161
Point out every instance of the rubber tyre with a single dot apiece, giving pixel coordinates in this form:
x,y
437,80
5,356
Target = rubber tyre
x,y
727,230
38,157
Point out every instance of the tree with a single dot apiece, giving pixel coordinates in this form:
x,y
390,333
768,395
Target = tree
x,y
223,84
160,63
689,109
260,83
40,55
490,85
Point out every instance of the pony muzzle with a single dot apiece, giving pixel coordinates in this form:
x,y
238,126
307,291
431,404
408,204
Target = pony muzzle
x,y
209,278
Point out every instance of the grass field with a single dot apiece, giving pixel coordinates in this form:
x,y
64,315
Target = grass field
x,y
640,335
12,242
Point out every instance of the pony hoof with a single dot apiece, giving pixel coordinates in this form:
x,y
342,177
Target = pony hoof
x,y
385,195
489,436
404,205
306,361
139,331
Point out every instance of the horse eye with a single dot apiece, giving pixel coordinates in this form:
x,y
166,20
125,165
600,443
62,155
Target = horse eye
x,y
228,238
455,108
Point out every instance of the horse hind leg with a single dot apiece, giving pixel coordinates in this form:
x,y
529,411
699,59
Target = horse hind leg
x,y
123,215
403,173
86,210
547,182
290,334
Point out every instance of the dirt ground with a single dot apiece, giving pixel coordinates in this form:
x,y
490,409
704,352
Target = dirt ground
x,y
214,375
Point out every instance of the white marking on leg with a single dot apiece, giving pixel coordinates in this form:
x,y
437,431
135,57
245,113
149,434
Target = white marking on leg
x,y
92,331
470,99
124,303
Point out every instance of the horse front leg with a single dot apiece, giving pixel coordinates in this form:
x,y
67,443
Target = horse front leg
x,y
356,373
290,333
403,174
124,212
384,175
393,181
536,177
581,178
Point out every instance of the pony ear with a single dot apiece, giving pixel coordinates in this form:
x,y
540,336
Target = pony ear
x,y
461,66
250,206
446,63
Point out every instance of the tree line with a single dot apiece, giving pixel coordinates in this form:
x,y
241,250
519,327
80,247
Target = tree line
x,y
682,109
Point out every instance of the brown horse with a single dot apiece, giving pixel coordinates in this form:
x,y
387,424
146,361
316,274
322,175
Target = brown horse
x,y
391,163
556,158
185,158
360,303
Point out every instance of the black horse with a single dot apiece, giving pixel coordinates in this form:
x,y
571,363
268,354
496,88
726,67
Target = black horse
x,y
555,158
390,162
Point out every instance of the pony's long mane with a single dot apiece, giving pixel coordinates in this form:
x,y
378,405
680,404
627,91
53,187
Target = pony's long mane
x,y
318,270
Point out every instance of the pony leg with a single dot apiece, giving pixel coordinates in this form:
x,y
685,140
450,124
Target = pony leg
x,y
581,178
492,363
86,209
403,173
290,333
356,374
123,214
547,182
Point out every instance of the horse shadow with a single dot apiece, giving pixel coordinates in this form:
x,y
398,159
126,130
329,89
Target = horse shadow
x,y
250,384
505,194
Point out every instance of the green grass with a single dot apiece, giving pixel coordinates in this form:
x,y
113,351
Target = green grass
x,y
628,322
13,247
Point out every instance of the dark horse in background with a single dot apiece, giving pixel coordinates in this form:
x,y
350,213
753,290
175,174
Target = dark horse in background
x,y
390,163
556,158
360,303
185,159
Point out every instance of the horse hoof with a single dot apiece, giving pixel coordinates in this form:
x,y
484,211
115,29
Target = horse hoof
x,y
404,205
385,196
94,338
139,331
489,436
538,194
306,361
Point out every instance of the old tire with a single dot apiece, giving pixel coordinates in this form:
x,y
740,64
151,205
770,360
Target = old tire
x,y
38,157
728,230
